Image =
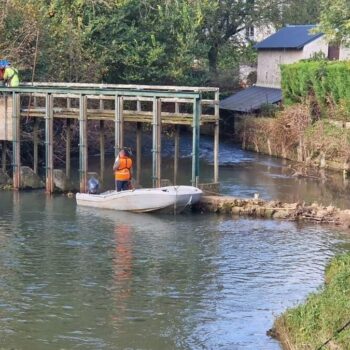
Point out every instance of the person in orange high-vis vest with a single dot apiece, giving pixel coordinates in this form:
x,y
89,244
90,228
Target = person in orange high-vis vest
x,y
122,171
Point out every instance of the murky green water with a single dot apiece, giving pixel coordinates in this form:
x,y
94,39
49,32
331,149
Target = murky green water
x,y
75,278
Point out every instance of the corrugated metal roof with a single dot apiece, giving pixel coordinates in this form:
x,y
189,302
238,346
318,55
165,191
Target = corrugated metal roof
x,y
290,37
251,99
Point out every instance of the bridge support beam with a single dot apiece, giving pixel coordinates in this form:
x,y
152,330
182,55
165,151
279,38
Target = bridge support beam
x,y
83,146
68,147
49,143
216,140
102,150
195,141
16,130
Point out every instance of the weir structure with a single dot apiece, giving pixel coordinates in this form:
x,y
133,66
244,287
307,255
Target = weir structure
x,y
155,105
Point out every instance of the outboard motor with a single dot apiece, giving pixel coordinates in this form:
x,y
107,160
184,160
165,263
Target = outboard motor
x,y
93,185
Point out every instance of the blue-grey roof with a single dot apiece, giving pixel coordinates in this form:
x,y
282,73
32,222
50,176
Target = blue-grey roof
x,y
251,99
290,37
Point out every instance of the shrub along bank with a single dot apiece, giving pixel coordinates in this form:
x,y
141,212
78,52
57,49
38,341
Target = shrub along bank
x,y
323,322
314,124
325,83
293,135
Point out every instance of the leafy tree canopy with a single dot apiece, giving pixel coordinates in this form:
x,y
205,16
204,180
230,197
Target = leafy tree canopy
x,y
335,21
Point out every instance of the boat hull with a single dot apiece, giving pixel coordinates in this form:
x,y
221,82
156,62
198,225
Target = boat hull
x,y
165,199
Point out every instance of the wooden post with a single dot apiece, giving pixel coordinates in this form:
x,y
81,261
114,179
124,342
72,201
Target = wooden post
x,y
16,140
68,147
3,156
49,143
216,138
35,145
156,164
177,152
138,151
83,146
195,140
176,145
118,131
102,148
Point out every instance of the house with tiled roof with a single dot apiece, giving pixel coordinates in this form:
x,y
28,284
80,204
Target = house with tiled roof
x,y
289,45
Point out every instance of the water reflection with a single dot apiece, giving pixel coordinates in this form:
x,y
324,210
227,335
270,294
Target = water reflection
x,y
98,279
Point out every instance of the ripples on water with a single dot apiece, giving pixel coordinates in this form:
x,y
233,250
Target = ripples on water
x,y
94,279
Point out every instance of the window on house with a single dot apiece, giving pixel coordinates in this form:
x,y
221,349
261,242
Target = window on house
x,y
249,32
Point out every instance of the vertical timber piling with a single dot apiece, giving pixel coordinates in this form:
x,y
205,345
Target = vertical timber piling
x,y
35,145
216,138
83,147
68,147
49,143
16,148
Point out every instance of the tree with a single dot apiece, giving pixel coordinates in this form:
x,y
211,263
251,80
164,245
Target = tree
x,y
299,12
335,21
224,19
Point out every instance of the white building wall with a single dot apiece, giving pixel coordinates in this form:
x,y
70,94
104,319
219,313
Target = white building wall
x,y
269,61
316,46
344,53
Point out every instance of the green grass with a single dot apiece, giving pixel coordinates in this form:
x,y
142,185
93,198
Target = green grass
x,y
310,325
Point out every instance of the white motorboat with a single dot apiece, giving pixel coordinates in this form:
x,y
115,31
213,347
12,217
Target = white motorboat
x,y
172,199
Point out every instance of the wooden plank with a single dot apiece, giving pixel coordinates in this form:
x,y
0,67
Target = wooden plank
x,y
138,152
6,111
83,146
156,143
177,152
96,91
102,150
68,147
119,124
124,86
16,145
3,155
49,143
195,141
216,141
35,145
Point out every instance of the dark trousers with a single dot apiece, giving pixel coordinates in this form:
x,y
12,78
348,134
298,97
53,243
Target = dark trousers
x,y
121,185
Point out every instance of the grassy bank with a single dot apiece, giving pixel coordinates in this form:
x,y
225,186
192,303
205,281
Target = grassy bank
x,y
323,316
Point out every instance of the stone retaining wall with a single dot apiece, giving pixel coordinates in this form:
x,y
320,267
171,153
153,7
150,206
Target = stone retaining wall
x,y
259,208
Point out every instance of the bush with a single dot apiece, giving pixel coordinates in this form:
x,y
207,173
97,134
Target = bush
x,y
328,83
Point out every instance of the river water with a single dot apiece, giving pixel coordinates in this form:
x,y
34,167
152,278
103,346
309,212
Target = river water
x,y
77,278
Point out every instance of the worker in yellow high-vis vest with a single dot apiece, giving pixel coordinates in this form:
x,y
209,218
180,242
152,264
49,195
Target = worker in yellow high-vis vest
x,y
11,76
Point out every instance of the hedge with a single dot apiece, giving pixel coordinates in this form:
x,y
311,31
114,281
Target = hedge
x,y
327,81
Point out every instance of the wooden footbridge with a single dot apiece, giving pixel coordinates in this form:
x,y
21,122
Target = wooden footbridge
x,y
155,105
